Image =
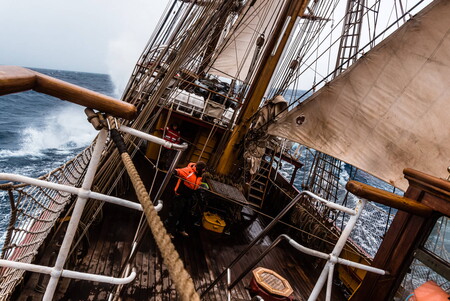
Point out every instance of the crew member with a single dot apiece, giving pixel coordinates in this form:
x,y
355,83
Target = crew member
x,y
173,135
190,178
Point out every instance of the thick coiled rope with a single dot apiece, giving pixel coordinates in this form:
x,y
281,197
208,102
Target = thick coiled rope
x,y
181,278
183,281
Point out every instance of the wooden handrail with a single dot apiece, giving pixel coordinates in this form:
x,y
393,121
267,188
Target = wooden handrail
x,y
17,79
387,198
438,186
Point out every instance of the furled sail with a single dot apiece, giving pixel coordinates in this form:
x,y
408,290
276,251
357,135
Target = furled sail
x,y
391,109
238,47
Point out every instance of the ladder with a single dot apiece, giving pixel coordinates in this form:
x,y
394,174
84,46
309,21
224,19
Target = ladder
x,y
325,173
324,176
351,33
258,185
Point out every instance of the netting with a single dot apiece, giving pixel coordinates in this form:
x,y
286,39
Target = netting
x,y
330,184
370,228
34,212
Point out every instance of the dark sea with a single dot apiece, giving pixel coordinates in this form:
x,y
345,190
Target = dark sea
x,y
38,132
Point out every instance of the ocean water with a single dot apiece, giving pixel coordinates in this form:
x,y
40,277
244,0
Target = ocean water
x,y
38,132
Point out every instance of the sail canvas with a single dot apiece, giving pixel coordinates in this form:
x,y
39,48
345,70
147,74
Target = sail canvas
x,y
388,111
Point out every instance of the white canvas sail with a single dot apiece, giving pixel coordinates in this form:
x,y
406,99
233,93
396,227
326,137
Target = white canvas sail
x,y
391,109
237,49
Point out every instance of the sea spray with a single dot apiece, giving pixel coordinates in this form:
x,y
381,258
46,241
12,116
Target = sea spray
x,y
39,133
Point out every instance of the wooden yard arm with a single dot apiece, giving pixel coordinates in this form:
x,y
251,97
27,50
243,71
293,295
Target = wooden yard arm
x,y
389,199
17,79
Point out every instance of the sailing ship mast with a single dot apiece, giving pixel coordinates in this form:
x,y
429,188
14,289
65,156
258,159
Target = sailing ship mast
x,y
169,61
291,11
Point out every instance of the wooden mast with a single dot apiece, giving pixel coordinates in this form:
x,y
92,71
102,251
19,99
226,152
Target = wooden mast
x,y
292,9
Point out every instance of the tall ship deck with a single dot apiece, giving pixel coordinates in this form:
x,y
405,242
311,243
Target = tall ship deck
x,y
259,126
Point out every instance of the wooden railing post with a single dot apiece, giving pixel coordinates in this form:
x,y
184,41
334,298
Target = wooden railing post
x,y
426,198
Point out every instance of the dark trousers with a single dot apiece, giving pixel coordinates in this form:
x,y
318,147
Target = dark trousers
x,y
180,213
167,156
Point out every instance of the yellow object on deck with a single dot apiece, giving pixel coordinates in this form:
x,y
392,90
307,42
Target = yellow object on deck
x,y
213,222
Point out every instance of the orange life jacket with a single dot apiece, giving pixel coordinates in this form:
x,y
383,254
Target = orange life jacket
x,y
191,180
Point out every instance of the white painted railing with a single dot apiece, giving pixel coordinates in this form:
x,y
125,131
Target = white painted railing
x,y
84,193
332,258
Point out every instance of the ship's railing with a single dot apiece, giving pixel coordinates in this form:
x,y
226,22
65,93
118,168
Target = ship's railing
x,y
332,258
375,221
34,212
196,106
373,225
215,108
36,231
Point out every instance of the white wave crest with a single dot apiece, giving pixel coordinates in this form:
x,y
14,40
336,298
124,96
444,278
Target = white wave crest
x,y
63,131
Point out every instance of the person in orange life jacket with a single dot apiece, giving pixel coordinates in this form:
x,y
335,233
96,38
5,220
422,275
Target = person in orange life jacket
x,y
190,178
173,135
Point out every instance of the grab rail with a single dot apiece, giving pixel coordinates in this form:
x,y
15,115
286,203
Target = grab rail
x,y
332,258
308,251
17,79
67,273
83,193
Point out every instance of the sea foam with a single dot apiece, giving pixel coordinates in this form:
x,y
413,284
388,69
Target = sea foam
x,y
63,131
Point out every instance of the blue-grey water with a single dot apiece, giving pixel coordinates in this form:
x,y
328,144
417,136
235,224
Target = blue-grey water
x,y
39,132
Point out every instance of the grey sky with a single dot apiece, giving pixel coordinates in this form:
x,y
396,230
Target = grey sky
x,y
100,36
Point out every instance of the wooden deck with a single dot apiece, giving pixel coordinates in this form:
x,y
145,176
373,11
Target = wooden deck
x,y
204,253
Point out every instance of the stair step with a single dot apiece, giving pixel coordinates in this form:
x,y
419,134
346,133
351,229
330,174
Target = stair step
x,y
260,175
254,196
198,152
257,189
254,204
258,182
264,165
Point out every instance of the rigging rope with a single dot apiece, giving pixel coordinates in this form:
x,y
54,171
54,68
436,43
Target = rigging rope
x,y
181,278
207,140
311,235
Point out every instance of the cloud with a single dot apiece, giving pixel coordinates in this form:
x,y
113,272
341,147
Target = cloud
x,y
122,55
126,47
82,35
